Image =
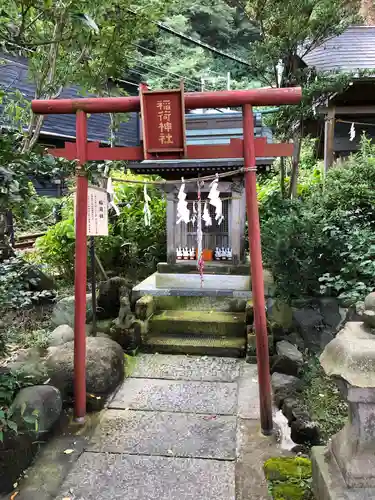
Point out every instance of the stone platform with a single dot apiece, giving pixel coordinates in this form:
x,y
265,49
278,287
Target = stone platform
x,y
188,284
211,267
329,483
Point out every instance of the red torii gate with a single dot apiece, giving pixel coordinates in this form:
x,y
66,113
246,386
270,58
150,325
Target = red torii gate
x,y
247,148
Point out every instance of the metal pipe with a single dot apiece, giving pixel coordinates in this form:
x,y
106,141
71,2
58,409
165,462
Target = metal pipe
x,y
193,100
257,274
80,272
93,284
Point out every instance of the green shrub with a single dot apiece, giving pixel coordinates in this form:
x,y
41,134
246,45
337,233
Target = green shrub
x,y
56,248
134,247
17,285
324,241
37,215
131,247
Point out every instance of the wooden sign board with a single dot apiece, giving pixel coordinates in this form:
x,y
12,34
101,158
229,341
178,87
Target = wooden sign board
x,y
97,211
163,123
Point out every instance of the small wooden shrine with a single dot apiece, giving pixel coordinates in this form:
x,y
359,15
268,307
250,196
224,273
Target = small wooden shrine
x,y
208,129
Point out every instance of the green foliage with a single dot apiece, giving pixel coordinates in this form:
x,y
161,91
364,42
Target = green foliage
x,y
16,169
56,248
323,242
323,400
131,247
37,215
18,285
10,384
216,23
35,338
134,247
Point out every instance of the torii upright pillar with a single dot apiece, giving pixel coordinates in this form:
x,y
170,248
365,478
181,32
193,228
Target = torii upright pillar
x,y
247,149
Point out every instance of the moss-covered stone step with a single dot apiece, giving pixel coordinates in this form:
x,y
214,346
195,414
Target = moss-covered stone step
x,y
209,346
193,303
200,323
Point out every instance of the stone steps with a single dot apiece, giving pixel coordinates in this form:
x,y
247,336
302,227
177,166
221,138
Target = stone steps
x,y
197,332
204,346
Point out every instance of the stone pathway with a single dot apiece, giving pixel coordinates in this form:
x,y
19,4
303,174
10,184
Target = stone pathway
x,y
181,428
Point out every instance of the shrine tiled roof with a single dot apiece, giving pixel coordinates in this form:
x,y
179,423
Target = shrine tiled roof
x,y
14,76
351,51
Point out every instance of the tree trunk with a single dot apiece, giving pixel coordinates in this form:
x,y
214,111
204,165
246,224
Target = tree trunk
x,y
295,163
282,177
6,250
46,81
113,129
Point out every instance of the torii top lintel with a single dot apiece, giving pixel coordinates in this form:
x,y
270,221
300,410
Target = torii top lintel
x,y
193,100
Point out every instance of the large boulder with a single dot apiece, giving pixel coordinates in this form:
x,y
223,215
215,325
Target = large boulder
x,y
289,359
330,310
104,366
309,323
370,301
284,386
38,280
61,335
63,312
29,363
303,430
36,409
110,292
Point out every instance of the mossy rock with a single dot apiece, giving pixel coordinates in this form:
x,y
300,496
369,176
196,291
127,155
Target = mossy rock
x,y
288,491
286,468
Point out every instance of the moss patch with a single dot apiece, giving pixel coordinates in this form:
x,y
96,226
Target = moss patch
x,y
288,491
289,478
322,400
283,469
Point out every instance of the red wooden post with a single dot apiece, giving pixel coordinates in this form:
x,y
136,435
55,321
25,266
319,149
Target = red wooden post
x,y
257,273
80,271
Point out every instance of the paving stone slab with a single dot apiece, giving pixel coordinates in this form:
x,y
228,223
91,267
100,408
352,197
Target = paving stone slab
x,y
248,392
118,477
253,449
162,433
176,396
175,367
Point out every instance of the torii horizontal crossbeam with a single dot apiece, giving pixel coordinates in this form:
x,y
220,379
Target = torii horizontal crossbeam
x,y
234,149
193,100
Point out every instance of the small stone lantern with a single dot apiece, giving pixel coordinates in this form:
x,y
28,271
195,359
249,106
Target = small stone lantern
x,y
345,469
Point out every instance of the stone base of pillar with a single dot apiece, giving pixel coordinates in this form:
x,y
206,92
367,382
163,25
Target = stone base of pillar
x,y
328,482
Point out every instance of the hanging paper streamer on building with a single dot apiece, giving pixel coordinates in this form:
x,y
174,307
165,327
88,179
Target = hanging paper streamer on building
x,y
146,207
183,213
206,215
111,196
215,201
194,216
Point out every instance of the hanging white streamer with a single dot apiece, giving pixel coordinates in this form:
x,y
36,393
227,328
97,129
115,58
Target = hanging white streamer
x,y
146,207
194,216
111,195
183,213
206,215
352,132
215,201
